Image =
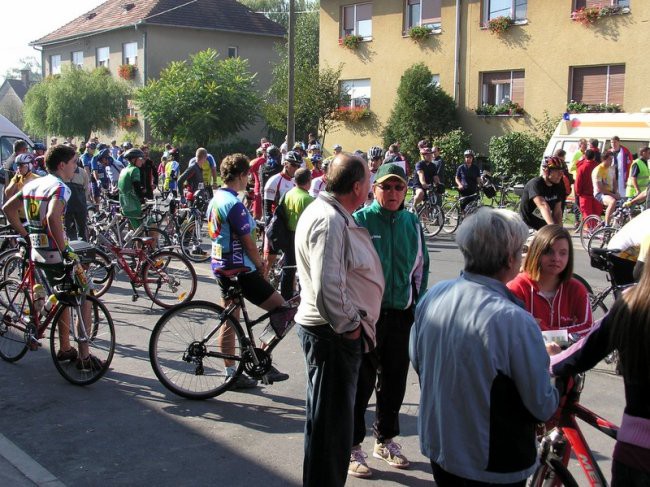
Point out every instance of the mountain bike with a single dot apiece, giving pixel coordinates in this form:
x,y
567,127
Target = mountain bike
x,y
429,212
191,343
561,436
454,216
23,324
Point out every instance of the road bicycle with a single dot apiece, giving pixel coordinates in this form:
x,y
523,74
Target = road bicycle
x,y
24,323
429,212
454,216
191,344
593,225
561,436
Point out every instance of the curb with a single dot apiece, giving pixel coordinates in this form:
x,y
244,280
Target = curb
x,y
26,465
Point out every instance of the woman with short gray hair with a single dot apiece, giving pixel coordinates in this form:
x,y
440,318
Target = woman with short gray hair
x,y
482,363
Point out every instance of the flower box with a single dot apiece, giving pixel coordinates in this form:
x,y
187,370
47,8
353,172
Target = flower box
x,y
499,25
126,71
350,41
590,15
507,109
128,122
351,114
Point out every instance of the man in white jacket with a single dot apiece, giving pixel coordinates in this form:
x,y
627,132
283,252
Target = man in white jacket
x,y
342,285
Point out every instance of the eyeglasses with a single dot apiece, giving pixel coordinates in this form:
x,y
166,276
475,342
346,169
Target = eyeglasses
x,y
394,187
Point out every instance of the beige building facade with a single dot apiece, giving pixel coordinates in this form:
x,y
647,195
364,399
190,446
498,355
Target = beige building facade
x,y
542,61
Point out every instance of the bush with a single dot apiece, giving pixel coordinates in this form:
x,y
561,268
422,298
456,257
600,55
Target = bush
x,y
452,145
517,155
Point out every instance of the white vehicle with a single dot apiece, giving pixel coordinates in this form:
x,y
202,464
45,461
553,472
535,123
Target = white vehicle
x,y
632,128
9,133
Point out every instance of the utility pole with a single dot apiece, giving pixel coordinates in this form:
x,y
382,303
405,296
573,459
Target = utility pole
x,y
291,122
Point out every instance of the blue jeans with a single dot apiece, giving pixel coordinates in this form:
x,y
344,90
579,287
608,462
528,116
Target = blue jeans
x,y
332,373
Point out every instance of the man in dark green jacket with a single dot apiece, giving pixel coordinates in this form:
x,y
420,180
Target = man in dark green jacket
x,y
397,237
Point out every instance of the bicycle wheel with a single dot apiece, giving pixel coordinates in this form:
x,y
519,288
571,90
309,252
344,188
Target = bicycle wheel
x,y
431,219
600,238
16,310
99,334
451,214
184,361
13,267
587,227
552,474
169,278
195,242
100,273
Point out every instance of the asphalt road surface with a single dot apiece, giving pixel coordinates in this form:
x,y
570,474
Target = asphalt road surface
x,y
127,429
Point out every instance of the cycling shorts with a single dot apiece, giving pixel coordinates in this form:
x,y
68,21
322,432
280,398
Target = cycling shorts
x,y
254,287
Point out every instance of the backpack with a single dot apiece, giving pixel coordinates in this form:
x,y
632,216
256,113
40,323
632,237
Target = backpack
x,y
277,231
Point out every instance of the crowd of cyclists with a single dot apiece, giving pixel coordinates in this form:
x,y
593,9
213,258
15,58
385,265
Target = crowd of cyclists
x,y
47,195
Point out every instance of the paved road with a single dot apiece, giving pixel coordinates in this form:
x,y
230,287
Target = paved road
x,y
128,430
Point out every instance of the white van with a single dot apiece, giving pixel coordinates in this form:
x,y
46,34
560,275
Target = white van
x,y
632,128
9,133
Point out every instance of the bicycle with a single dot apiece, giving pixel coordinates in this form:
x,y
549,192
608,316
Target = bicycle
x,y
429,211
592,224
191,342
454,216
562,436
22,326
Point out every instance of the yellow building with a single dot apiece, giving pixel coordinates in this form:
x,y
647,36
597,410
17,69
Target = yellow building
x,y
546,58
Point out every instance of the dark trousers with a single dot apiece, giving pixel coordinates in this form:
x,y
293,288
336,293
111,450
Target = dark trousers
x,y
288,275
332,372
384,370
76,224
446,479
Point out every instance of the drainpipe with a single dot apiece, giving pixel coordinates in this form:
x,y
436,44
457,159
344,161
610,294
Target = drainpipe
x,y
144,74
457,56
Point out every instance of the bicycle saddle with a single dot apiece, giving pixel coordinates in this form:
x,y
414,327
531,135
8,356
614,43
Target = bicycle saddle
x,y
232,272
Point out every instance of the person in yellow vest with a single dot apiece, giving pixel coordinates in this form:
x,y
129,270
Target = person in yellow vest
x,y
639,176
172,169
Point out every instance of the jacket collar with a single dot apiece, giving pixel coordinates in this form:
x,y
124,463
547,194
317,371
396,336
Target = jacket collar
x,y
385,214
330,200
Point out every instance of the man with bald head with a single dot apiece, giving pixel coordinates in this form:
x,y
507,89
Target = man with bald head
x,y
342,286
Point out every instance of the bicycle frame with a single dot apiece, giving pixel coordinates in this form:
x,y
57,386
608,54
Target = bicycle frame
x,y
28,283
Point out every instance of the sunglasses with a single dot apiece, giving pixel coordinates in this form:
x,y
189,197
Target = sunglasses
x,y
395,187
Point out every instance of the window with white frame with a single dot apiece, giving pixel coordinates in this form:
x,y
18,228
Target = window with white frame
x,y
515,9
130,53
233,52
355,93
55,64
357,20
102,56
435,80
77,59
578,4
501,87
422,12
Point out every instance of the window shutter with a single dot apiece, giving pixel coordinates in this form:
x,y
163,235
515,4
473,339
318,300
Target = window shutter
x,y
594,3
589,84
364,12
430,11
616,84
348,19
518,78
496,78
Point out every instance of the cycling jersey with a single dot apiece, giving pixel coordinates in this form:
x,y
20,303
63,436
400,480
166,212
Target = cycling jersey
x,y
629,238
569,309
429,169
206,170
37,195
605,176
171,173
529,211
129,198
277,186
228,221
295,202
317,185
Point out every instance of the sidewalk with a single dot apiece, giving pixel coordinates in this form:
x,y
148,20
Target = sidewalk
x,y
20,470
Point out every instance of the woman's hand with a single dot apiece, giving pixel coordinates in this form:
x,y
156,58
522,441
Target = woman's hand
x,y
553,348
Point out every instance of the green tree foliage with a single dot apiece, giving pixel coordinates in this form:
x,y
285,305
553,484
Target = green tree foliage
x,y
452,145
517,155
278,10
75,103
200,101
422,110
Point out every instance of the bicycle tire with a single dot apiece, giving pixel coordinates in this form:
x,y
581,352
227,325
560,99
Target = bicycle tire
x,y
190,243
451,215
101,342
587,227
13,345
100,273
162,275
184,365
552,474
600,238
13,267
431,219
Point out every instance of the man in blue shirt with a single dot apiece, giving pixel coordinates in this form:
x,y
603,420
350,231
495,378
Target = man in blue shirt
x,y
468,176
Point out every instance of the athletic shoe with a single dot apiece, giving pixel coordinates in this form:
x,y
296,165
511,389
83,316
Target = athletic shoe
x,y
243,382
274,375
90,363
391,453
70,354
358,466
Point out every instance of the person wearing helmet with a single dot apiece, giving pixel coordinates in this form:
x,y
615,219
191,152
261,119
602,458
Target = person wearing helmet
x,y
76,213
98,167
468,177
318,184
317,161
172,169
130,187
193,175
24,164
426,175
39,149
542,198
313,150
270,168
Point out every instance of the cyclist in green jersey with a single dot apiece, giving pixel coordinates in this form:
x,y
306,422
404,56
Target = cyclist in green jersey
x,y
130,187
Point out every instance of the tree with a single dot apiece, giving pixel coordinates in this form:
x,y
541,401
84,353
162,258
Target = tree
x,y
75,103
517,155
452,145
200,101
278,10
422,110
28,62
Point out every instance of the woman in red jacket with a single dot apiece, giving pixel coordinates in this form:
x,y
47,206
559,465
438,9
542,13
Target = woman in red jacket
x,y
547,287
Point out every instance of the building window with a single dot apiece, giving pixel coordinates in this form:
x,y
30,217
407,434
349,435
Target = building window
x,y
601,3
355,93
598,84
501,87
55,64
233,52
357,20
422,12
77,59
130,53
435,80
515,9
102,56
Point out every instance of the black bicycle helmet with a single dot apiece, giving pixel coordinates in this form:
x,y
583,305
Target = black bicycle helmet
x,y
103,154
39,146
133,154
375,152
292,157
274,152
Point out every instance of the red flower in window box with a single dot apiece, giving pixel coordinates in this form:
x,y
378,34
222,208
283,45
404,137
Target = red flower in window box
x,y
126,71
351,114
128,122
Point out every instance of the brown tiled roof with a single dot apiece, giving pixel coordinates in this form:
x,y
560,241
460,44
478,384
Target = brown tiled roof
x,y
226,15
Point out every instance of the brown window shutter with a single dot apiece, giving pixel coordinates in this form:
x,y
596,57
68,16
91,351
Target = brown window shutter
x,y
589,84
517,89
593,3
616,84
430,11
348,19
